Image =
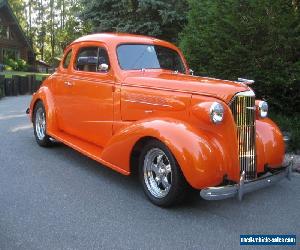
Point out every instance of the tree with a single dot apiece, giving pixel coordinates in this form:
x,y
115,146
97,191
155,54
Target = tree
x,y
255,39
50,24
18,7
163,19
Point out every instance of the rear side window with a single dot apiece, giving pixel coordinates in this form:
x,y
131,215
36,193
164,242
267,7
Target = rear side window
x,y
89,58
67,59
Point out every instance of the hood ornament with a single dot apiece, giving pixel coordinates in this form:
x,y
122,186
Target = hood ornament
x,y
246,81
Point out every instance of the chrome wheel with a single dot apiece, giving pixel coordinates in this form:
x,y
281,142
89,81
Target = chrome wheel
x,y
40,123
157,173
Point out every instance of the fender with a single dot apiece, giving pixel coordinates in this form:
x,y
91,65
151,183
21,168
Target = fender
x,y
269,143
198,155
44,94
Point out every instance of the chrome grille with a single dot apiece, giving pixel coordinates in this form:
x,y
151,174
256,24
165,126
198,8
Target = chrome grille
x,y
243,110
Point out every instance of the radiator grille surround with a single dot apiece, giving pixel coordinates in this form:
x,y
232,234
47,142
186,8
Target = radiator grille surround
x,y
243,109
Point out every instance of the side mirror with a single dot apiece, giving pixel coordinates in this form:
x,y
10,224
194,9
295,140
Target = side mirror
x,y
103,67
191,72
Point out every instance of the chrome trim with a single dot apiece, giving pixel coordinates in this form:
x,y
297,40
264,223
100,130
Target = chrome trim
x,y
243,111
241,186
40,124
246,93
220,114
260,105
246,81
229,191
157,173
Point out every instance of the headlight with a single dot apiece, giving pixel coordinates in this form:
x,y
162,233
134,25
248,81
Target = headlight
x,y
263,108
216,112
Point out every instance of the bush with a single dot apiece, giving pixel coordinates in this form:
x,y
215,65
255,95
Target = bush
x,y
22,65
257,39
8,68
17,65
290,124
11,63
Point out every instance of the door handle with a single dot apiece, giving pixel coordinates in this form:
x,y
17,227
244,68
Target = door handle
x,y
69,84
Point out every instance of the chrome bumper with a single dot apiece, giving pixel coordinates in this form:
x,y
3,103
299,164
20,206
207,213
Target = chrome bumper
x,y
224,192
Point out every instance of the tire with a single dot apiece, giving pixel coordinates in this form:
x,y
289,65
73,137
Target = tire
x,y
40,124
160,175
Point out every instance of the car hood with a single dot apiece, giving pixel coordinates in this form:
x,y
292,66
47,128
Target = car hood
x,y
220,89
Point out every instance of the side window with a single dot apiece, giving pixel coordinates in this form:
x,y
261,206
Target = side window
x,y
90,58
67,59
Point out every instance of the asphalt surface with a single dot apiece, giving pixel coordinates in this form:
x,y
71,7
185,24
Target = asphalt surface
x,y
57,198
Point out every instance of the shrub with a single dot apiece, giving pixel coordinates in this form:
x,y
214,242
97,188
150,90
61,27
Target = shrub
x,y
11,63
17,65
22,65
8,68
290,124
257,39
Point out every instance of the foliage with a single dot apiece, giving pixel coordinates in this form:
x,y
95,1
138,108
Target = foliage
x,y
163,19
50,25
291,125
8,68
257,39
17,65
18,7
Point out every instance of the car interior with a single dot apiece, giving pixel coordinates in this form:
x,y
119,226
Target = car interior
x,y
89,59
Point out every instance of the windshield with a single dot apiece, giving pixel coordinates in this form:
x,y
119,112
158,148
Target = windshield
x,y
142,56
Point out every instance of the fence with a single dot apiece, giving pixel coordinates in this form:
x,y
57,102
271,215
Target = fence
x,y
19,85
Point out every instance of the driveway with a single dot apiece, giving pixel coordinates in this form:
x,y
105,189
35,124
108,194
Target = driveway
x,y
57,198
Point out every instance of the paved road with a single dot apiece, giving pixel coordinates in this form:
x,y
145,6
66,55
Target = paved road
x,y
58,199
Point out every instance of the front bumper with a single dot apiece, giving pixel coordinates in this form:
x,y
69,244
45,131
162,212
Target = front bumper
x,y
224,192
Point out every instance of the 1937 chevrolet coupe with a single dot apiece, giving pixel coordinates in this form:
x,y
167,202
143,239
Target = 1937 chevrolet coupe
x,y
130,103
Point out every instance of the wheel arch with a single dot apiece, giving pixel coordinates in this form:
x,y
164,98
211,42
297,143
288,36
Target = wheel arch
x,y
35,102
195,151
45,96
137,150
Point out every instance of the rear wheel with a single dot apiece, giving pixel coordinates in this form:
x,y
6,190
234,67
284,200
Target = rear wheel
x,y
162,179
40,124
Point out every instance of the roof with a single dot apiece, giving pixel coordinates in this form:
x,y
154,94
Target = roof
x,y
2,2
118,38
41,62
5,4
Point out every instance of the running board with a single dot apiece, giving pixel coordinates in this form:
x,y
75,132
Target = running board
x,y
89,149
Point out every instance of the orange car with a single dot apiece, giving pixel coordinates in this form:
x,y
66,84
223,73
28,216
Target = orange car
x,y
130,103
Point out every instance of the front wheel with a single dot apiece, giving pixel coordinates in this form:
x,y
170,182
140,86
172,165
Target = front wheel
x,y
39,125
160,174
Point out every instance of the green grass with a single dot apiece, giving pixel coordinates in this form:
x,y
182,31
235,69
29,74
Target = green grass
x,y
10,74
290,124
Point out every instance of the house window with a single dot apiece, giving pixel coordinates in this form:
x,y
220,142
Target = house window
x,y
10,54
4,31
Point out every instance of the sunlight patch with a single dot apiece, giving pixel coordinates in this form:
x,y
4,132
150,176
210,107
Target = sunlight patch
x,y
7,117
19,128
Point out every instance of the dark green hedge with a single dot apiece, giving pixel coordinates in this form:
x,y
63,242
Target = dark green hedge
x,y
257,39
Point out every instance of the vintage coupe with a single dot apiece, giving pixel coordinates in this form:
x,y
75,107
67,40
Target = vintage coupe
x,y
131,103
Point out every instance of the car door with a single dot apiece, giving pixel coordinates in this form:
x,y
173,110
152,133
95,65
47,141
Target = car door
x,y
62,91
92,83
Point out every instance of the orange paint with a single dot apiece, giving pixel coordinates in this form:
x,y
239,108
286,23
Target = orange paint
x,y
104,114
